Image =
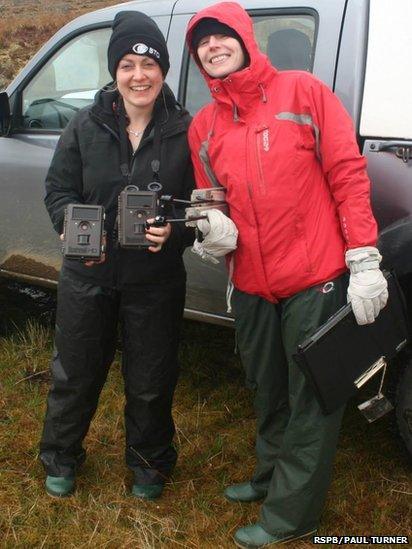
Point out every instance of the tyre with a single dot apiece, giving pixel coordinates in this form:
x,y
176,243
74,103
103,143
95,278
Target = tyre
x,y
403,408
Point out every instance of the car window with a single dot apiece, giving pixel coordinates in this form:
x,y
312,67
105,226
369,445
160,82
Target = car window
x,y
67,82
288,40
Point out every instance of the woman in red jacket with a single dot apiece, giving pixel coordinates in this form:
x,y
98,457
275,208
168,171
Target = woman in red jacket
x,y
284,148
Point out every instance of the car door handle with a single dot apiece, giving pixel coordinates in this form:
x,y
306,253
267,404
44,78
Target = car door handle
x,y
402,149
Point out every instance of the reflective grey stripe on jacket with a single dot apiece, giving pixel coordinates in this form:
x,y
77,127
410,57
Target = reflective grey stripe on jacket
x,y
303,119
204,158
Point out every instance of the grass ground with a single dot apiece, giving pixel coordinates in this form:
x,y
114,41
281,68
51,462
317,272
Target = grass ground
x,y
370,493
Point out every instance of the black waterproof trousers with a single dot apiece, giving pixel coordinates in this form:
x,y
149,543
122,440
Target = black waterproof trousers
x,y
295,442
85,342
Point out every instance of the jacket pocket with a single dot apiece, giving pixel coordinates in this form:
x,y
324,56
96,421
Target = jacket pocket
x,y
307,138
303,243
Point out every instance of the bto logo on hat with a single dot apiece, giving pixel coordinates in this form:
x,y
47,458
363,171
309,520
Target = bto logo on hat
x,y
135,32
142,49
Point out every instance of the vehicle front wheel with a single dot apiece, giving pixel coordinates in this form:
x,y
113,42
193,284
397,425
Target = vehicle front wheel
x,y
404,406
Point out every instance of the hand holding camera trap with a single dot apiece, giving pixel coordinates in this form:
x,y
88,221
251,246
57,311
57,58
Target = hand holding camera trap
x,y
216,234
136,208
83,226
202,200
83,233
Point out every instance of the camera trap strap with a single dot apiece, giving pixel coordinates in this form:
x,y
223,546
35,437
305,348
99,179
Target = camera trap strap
x,y
126,160
125,148
124,143
155,164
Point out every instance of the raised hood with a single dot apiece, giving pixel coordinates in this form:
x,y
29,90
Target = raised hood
x,y
233,15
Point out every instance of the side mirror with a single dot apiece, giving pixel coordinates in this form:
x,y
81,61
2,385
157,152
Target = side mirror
x,y
5,115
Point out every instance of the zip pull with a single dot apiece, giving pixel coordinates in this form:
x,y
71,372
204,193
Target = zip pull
x,y
235,113
155,165
261,128
124,168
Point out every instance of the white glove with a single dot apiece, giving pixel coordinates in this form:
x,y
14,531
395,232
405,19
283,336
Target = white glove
x,y
368,288
220,235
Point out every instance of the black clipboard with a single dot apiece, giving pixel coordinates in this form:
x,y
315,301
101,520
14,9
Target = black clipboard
x,y
341,351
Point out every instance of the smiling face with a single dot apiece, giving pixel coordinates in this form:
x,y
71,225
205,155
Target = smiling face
x,y
220,55
139,81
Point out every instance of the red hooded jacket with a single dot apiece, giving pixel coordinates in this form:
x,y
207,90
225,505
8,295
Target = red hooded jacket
x,y
284,147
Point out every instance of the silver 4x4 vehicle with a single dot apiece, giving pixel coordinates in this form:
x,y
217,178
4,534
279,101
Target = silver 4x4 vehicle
x,y
360,48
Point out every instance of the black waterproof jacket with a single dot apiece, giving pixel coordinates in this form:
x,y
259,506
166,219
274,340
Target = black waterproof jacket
x,y
86,169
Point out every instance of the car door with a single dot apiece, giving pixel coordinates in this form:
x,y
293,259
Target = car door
x,y
386,128
44,98
317,27
61,78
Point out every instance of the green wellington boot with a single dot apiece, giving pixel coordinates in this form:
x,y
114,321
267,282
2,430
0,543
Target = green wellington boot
x,y
254,537
147,491
59,487
243,492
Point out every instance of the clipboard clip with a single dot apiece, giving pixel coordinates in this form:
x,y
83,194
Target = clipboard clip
x,y
377,406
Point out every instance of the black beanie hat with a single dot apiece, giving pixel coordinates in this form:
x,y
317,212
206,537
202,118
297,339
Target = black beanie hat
x,y
209,26
135,32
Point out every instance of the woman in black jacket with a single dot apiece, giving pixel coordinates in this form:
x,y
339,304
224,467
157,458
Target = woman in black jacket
x,y
107,146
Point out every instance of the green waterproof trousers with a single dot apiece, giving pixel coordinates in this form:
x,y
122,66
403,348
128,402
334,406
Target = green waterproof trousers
x,y
295,442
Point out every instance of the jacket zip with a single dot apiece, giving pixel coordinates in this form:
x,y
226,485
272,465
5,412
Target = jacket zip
x,y
262,183
112,132
146,142
178,128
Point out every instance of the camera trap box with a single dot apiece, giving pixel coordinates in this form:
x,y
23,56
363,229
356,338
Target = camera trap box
x,y
134,209
83,232
212,198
